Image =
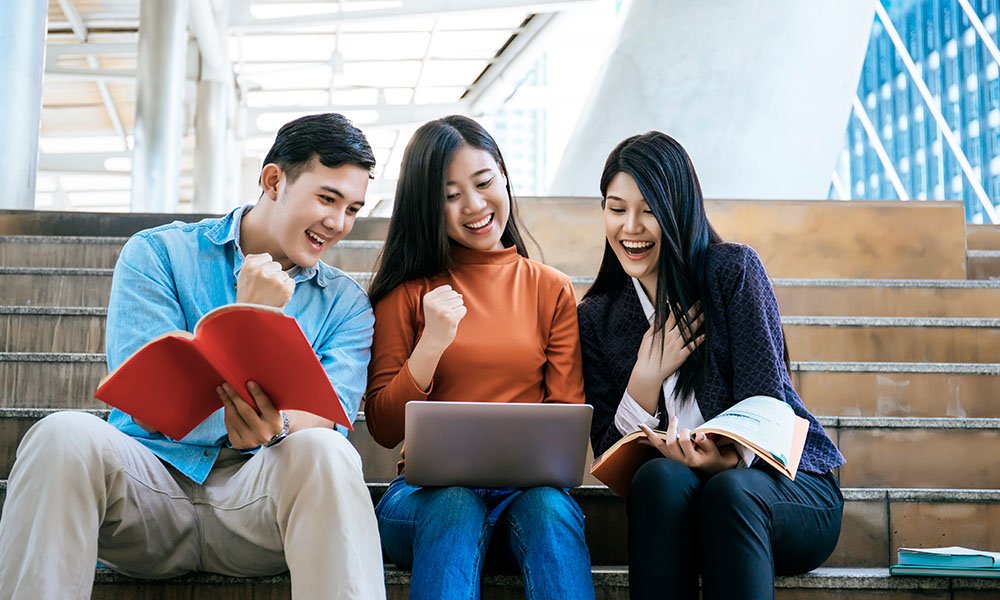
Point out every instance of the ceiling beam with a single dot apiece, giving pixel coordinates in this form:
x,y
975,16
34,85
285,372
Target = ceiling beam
x,y
80,30
244,21
502,76
389,115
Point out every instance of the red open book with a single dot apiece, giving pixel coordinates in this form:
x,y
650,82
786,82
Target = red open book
x,y
170,382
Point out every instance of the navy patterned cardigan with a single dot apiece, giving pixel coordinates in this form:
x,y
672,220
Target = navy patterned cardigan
x,y
745,350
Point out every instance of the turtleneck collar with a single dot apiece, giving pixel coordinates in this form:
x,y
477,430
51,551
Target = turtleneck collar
x,y
467,256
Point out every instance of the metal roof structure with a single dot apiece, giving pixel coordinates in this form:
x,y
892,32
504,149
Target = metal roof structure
x,y
388,65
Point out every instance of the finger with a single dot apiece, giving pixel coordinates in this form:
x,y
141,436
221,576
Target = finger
x,y
685,444
272,269
651,436
694,310
441,289
267,410
247,412
695,343
672,429
235,426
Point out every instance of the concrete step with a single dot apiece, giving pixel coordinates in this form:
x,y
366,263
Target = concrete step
x,y
80,223
50,286
982,237
892,339
102,252
795,239
64,380
876,522
74,287
52,329
888,298
881,452
899,389
984,264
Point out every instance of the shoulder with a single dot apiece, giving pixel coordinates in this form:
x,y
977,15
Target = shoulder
x,y
729,264
171,237
546,276
598,308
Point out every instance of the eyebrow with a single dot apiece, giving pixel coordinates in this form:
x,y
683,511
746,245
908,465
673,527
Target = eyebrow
x,y
476,174
621,199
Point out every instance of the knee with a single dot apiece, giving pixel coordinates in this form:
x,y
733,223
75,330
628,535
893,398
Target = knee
x,y
63,435
546,507
670,484
729,495
319,454
451,508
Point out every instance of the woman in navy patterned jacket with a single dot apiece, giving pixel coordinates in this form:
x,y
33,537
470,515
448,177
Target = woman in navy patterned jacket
x,y
677,327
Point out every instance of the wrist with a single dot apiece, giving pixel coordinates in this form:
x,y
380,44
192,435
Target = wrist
x,y
281,434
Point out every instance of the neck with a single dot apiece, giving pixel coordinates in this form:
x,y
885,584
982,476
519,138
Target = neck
x,y
255,236
649,286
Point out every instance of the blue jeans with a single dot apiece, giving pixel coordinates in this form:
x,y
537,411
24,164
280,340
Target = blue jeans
x,y
442,534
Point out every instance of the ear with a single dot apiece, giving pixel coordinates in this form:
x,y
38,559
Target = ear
x,y
270,177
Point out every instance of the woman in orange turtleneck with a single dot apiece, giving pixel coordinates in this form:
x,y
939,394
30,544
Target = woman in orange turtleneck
x,y
462,314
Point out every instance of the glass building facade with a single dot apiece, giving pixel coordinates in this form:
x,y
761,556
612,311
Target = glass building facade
x,y
963,79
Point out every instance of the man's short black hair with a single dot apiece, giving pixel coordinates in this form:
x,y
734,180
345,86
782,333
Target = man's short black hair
x,y
330,137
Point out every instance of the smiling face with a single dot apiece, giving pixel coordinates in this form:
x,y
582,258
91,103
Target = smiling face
x,y
632,230
312,212
476,203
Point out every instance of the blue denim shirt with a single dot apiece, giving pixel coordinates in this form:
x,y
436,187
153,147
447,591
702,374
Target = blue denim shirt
x,y
169,277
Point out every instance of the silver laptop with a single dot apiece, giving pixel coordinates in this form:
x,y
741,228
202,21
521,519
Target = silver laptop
x,y
496,444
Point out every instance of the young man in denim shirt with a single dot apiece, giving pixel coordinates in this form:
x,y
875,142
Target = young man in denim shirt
x,y
245,493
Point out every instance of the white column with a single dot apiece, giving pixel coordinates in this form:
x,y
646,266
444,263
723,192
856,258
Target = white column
x,y
212,167
159,119
22,54
758,92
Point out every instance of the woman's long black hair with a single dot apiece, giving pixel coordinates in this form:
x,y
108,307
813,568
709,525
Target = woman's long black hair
x,y
663,172
417,244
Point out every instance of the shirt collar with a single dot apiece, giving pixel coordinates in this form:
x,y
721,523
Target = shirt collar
x,y
228,230
647,306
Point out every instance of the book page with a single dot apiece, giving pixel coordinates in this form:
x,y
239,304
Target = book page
x,y
761,421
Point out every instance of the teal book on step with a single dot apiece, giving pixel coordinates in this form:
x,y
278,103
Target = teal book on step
x,y
953,561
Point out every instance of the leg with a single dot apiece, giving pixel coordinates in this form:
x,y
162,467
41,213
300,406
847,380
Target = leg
x,y
754,522
80,490
303,503
544,527
441,533
661,507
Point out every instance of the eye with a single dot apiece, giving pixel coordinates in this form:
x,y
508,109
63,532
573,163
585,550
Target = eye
x,y
616,210
327,199
647,211
485,184
451,196
353,210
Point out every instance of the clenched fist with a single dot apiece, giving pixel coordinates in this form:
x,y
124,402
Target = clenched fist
x,y
443,311
262,281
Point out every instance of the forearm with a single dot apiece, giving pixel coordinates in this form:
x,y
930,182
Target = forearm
x,y
645,391
299,420
423,362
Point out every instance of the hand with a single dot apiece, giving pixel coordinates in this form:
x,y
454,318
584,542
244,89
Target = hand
x,y
444,309
697,451
246,427
262,281
656,362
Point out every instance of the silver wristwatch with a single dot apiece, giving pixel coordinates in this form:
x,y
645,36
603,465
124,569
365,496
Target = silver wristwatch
x,y
281,434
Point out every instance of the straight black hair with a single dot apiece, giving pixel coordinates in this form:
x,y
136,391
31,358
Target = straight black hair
x,y
329,137
666,178
417,244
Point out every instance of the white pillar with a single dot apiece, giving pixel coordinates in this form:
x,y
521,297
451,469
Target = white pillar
x,y
758,92
212,166
22,55
159,120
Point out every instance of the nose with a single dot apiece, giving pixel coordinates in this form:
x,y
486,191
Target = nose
x,y
474,203
335,219
633,222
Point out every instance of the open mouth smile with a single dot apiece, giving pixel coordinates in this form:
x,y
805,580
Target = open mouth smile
x,y
315,240
636,249
480,225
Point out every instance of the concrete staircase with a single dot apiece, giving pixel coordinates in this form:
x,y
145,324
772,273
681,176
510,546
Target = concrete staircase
x,y
894,346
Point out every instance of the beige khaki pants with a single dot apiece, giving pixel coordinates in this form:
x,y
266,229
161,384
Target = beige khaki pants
x,y
81,490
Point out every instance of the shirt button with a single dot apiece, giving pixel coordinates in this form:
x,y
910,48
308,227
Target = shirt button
x,y
208,453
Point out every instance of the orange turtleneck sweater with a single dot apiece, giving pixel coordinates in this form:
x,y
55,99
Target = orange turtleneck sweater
x,y
518,342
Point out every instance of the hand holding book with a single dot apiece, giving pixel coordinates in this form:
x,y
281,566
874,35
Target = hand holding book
x,y
695,449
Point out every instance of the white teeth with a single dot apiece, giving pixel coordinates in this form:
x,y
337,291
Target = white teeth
x,y
480,223
637,245
313,236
